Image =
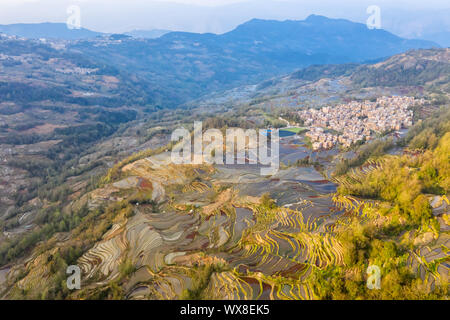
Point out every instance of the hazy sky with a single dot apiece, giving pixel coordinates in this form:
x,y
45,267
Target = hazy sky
x,y
404,17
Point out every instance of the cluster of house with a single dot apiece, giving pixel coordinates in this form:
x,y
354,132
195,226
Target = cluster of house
x,y
76,70
4,36
357,121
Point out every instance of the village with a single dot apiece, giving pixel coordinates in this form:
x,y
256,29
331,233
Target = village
x,y
347,124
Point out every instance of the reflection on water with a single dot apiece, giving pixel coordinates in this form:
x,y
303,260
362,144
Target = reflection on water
x,y
293,149
286,133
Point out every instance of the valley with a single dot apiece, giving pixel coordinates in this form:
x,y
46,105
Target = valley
x,y
87,178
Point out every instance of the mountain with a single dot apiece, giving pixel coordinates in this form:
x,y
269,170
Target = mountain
x,y
413,68
336,39
60,97
411,73
191,64
47,30
147,34
49,94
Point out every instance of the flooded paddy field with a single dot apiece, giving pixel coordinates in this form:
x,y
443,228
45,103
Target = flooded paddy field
x,y
264,235
293,149
213,214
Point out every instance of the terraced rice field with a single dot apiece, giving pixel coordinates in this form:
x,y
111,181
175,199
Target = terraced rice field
x,y
263,253
259,252
356,174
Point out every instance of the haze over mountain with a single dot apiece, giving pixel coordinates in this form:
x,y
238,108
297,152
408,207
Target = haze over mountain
x,y
188,64
405,18
61,31
147,34
47,30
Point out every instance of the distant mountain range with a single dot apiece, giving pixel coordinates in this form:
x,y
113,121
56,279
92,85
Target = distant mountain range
x,y
61,31
47,30
147,34
187,65
181,66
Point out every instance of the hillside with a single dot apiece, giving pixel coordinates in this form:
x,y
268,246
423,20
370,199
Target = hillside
x,y
182,66
61,97
412,68
154,230
149,229
407,73
191,65
54,105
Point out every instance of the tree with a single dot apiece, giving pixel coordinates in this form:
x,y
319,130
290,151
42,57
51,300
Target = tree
x,y
422,210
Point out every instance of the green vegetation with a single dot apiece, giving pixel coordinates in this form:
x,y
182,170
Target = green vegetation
x,y
400,185
374,149
425,134
403,181
267,202
51,221
365,245
393,72
295,130
200,281
273,122
316,72
116,171
127,268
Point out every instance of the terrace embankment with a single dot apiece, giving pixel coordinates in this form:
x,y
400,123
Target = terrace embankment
x,y
205,232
